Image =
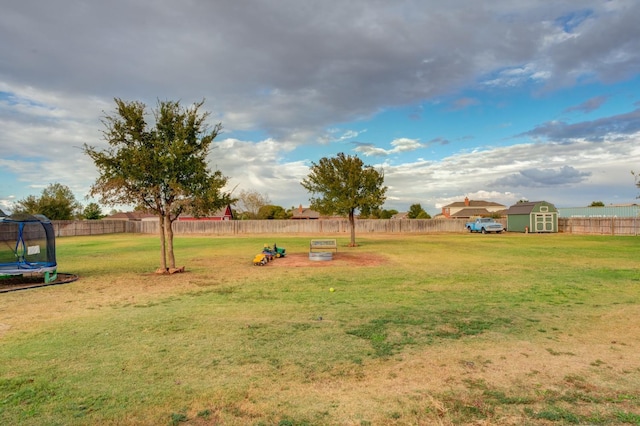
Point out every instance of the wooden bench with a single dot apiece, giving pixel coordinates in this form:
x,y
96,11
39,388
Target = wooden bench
x,y
323,245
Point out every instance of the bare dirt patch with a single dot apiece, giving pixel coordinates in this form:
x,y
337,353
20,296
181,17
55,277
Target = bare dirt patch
x,y
27,282
296,260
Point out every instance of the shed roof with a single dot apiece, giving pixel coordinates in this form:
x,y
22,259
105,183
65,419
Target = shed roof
x,y
526,208
521,208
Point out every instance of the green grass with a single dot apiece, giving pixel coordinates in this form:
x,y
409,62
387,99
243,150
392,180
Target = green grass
x,y
230,343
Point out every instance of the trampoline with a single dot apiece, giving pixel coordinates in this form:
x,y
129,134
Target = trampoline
x,y
27,247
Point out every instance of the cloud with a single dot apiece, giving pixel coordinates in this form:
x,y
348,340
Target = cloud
x,y
439,141
543,177
464,103
567,174
580,57
517,76
589,105
399,145
339,135
620,125
284,66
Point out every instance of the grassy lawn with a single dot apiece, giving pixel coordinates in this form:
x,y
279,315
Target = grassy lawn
x,y
430,329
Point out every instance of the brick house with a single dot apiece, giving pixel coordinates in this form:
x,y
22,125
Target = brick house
x,y
304,213
472,208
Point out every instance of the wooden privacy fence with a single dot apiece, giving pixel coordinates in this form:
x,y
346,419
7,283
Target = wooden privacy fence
x,y
70,228
333,226
600,225
596,226
239,227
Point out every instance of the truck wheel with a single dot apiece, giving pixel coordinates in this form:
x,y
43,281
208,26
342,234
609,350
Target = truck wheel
x,y
469,228
484,231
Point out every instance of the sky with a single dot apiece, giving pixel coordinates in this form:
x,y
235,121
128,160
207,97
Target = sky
x,y
498,101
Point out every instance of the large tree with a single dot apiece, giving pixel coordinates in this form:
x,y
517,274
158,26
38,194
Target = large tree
x,y
251,202
162,167
56,202
343,184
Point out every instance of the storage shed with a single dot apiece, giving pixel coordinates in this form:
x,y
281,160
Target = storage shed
x,y
535,216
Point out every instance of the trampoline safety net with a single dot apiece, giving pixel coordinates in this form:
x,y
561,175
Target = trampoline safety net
x,y
27,245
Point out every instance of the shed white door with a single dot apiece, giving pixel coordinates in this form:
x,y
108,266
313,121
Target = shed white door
x,y
544,222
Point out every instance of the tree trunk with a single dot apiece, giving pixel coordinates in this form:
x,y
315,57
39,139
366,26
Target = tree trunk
x,y
168,230
163,247
352,222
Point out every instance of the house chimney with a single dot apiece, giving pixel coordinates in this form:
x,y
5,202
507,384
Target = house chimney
x,y
466,201
300,209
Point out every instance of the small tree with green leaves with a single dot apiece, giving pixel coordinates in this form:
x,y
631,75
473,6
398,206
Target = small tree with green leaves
x,y
343,184
388,214
92,211
272,212
56,202
377,213
596,204
417,212
160,168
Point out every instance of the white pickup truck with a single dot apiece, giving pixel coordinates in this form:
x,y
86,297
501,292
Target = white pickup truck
x,y
484,225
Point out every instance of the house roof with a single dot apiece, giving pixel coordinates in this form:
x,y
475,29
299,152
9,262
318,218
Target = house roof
x,y
223,212
469,212
135,216
475,203
400,215
305,213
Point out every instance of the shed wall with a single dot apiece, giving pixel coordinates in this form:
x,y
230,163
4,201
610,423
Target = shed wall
x,y
517,223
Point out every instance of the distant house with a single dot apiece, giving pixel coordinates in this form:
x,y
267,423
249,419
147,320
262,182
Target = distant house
x,y
534,216
401,215
222,214
472,208
131,216
304,213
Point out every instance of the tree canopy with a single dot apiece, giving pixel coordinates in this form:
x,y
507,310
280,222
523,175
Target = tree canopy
x,y
273,212
343,184
250,203
377,213
162,167
92,212
417,212
56,202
